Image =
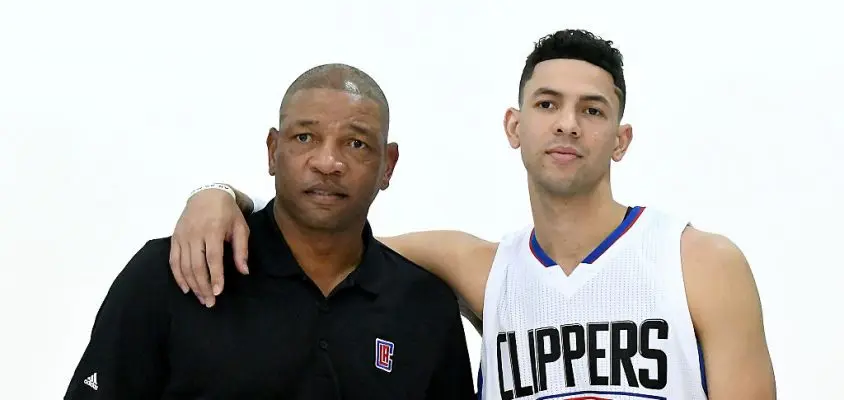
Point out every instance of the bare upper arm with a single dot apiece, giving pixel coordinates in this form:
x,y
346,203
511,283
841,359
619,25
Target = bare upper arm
x,y
727,316
462,260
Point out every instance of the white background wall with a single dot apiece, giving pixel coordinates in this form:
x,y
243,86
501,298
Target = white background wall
x,y
110,113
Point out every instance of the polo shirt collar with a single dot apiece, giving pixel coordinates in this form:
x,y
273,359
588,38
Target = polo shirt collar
x,y
276,259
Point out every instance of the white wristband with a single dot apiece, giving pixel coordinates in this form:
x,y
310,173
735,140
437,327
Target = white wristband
x,y
219,186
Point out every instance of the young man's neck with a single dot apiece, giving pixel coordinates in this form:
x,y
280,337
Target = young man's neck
x,y
327,257
568,228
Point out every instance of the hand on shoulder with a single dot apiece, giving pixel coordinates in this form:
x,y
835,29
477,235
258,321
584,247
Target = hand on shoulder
x,y
210,218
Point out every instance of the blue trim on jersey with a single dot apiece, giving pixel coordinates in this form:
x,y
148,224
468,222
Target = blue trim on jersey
x,y
620,230
540,254
702,368
480,393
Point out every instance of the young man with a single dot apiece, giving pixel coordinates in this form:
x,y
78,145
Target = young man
x,y
322,315
595,300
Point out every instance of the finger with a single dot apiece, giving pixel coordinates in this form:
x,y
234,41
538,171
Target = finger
x,y
176,266
187,271
214,258
240,245
200,272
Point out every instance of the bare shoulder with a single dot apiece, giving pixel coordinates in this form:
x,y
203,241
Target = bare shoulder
x,y
726,312
710,251
716,274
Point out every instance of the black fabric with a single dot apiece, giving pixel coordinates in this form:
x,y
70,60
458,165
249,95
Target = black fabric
x,y
273,335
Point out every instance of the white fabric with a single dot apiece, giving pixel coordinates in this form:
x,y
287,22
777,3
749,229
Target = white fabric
x,y
635,289
215,186
258,204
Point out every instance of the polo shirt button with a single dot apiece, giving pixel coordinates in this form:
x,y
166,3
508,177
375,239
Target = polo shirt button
x,y
323,344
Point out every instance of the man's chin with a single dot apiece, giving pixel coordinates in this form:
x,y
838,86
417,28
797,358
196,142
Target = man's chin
x,y
320,217
561,185
324,220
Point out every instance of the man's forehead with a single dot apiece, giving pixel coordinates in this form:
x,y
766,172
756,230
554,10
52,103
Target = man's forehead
x,y
318,107
571,77
352,89
331,100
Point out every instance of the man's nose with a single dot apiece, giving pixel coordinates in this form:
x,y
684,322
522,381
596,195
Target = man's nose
x,y
328,160
566,123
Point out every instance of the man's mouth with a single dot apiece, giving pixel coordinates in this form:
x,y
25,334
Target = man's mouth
x,y
325,194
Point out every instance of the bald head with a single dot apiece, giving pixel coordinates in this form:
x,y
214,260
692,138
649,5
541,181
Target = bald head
x,y
340,77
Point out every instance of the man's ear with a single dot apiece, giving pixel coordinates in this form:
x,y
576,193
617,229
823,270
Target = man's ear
x,y
511,126
622,142
272,146
392,159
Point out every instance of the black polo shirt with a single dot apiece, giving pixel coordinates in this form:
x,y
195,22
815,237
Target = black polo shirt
x,y
389,331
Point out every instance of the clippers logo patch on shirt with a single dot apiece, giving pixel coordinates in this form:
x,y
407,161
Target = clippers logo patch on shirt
x,y
384,354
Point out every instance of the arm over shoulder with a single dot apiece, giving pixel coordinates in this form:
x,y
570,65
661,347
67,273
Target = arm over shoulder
x,y
462,260
727,315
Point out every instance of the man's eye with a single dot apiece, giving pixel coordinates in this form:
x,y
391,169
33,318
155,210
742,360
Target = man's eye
x,y
594,112
358,144
303,137
545,104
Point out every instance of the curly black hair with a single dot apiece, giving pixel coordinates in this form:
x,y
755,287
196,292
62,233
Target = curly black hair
x,y
577,44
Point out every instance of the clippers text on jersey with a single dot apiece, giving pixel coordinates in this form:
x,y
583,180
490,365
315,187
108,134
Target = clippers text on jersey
x,y
609,349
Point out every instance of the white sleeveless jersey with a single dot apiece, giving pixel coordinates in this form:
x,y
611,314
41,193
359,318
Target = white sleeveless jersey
x,y
617,328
